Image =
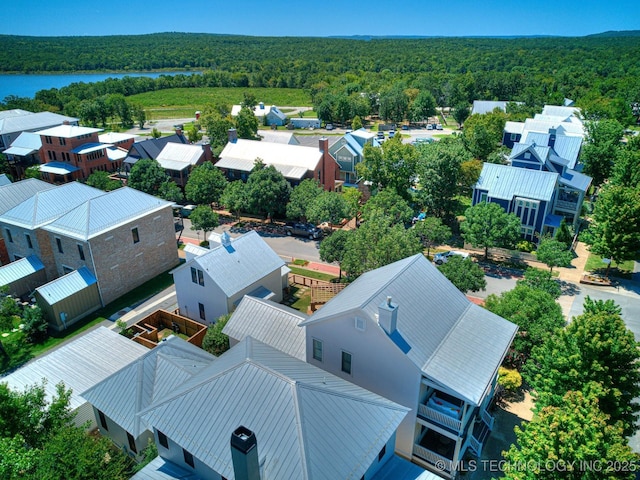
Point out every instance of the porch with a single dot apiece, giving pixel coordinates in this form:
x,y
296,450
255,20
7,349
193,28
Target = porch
x,y
443,409
436,450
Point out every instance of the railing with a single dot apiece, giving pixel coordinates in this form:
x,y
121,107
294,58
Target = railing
x,y
487,418
563,204
475,444
440,418
443,463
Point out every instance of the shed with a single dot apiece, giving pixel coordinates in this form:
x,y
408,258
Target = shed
x,y
305,122
69,298
23,276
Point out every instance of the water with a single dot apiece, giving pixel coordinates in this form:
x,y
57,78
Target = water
x,y
28,85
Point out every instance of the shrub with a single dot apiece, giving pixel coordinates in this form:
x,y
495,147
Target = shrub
x,y
525,246
509,379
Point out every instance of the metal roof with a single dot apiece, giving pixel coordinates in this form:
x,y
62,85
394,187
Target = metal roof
x,y
16,193
16,112
275,136
505,182
67,285
116,153
115,137
309,424
354,144
437,322
293,161
58,168
24,267
576,180
514,127
79,364
361,135
32,121
5,180
161,469
257,110
487,106
277,112
566,147
25,144
151,377
48,204
68,131
234,267
313,141
561,111
176,156
271,323
90,147
105,212
152,147
397,468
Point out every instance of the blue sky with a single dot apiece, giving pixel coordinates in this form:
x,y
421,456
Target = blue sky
x,y
321,17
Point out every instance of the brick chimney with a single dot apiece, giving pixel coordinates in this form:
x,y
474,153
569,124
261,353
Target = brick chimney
x,y
329,167
178,129
388,316
244,454
233,135
206,148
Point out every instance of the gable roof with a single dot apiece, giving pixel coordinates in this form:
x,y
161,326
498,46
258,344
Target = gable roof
x,y
32,121
152,147
487,106
63,287
14,271
25,144
15,193
148,378
314,140
453,341
275,111
268,322
293,161
80,364
504,182
561,111
309,424
105,212
115,137
177,156
576,180
233,267
47,205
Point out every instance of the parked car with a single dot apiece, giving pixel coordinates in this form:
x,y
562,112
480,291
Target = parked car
x,y
186,210
405,127
380,134
440,258
329,126
392,134
429,127
300,229
439,126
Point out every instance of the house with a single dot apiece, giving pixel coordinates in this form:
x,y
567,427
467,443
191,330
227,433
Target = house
x,y
24,152
406,333
279,136
530,194
151,148
23,276
275,117
296,163
178,160
79,365
14,122
305,122
269,415
560,120
259,110
212,284
349,152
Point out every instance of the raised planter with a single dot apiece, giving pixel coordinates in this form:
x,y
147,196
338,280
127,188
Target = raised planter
x,y
595,280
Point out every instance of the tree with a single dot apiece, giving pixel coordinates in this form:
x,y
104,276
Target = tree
x,y
356,123
301,198
391,204
487,225
101,180
234,197
614,231
333,247
147,176
432,232
214,341
352,196
461,113
534,311
553,253
592,348
539,279
155,133
392,166
203,218
170,192
564,234
394,104
206,184
193,133
483,133
574,440
422,107
139,115
35,324
267,191
593,307
249,100
247,124
626,170
330,207
33,172
601,148
464,273
469,174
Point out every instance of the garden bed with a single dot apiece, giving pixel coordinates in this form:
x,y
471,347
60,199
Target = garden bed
x,y
595,280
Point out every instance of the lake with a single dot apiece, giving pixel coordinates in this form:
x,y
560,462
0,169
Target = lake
x,y
28,85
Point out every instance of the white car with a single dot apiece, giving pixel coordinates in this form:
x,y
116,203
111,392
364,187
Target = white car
x,y
440,258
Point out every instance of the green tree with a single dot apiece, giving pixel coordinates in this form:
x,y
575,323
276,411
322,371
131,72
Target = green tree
x,y
247,124
534,311
234,197
333,247
431,232
574,440
464,273
330,207
102,181
390,204
139,115
601,148
392,166
249,100
469,174
301,198
593,307
267,191
553,253
626,170
483,133
487,225
147,176
193,133
155,133
564,234
203,218
614,231
35,324
422,107
540,279
394,104
461,113
170,192
352,196
217,128
33,172
214,341
356,123
206,184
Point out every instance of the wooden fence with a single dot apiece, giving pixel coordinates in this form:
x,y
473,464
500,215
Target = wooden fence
x,y
146,330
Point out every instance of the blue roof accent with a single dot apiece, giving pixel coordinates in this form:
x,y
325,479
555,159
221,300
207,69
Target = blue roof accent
x,y
353,144
504,182
19,269
553,220
67,285
576,180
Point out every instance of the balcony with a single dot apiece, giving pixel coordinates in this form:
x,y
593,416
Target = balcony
x,y
567,205
443,410
436,449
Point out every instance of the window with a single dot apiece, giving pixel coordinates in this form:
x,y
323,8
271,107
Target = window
x,y
483,197
201,277
103,420
62,141
527,155
360,324
59,244
317,350
382,452
81,251
346,363
201,309
48,139
514,137
132,443
197,276
134,233
28,237
9,237
188,458
162,439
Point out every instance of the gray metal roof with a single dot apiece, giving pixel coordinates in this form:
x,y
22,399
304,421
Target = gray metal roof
x,y
105,212
438,323
32,122
313,141
25,144
269,322
161,469
397,468
176,156
24,267
245,261
505,182
309,424
487,106
576,180
560,111
67,285
566,147
149,378
90,147
58,168
16,193
152,147
69,131
80,364
48,204
4,180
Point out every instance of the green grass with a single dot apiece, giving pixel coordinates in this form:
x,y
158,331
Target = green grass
x,y
595,265
327,277
183,102
303,301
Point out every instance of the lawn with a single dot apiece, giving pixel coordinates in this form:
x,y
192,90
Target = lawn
x,y
327,277
183,102
595,265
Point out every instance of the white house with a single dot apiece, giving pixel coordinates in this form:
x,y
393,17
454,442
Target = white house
x,y
212,284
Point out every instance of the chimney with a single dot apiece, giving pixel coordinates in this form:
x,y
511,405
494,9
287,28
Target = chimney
x,y
206,148
244,454
66,122
233,135
261,104
178,129
388,316
552,137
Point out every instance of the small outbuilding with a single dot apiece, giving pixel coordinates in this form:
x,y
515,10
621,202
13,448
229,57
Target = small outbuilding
x,y
305,122
23,276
